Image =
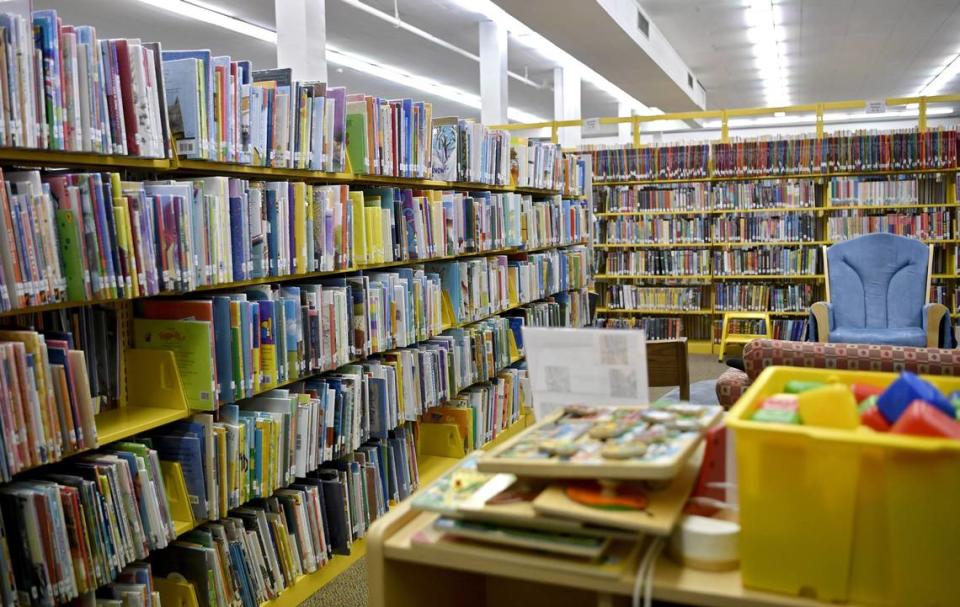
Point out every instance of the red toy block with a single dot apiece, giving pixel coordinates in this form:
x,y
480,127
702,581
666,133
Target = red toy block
x,y
863,391
923,419
874,419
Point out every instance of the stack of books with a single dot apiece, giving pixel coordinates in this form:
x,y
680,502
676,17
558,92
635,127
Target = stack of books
x,y
763,194
559,517
765,260
632,297
662,161
737,297
66,90
936,224
73,530
657,262
46,407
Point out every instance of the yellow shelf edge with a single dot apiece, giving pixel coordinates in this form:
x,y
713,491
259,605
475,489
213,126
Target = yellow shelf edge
x,y
64,305
799,176
309,584
117,424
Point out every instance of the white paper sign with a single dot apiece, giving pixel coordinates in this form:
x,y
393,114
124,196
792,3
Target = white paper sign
x,y
588,366
876,107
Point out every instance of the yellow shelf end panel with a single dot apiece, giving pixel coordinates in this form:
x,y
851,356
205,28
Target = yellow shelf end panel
x,y
175,592
177,496
154,396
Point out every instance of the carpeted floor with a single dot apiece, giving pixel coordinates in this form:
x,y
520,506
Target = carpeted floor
x,y
349,589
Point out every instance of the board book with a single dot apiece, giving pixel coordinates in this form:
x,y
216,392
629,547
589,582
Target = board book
x,y
628,443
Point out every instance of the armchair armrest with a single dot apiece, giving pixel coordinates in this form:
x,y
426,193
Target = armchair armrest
x,y
932,320
821,315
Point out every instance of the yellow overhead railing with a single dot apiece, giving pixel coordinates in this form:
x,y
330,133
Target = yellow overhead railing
x,y
818,109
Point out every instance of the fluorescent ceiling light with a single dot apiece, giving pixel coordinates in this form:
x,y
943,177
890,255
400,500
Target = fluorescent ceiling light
x,y
532,40
213,17
767,37
944,75
421,83
784,119
337,56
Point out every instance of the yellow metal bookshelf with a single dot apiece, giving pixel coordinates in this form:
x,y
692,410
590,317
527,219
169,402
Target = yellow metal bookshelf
x,y
151,391
723,117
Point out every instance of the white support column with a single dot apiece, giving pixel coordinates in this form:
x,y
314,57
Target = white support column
x,y
302,38
624,129
493,73
566,102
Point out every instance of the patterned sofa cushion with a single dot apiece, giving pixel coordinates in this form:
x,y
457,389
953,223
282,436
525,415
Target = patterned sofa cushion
x,y
762,353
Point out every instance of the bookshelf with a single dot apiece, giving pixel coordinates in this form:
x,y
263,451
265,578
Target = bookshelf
x,y
828,222
152,391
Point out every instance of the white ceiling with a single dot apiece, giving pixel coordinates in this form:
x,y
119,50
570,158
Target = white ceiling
x,y
836,49
350,30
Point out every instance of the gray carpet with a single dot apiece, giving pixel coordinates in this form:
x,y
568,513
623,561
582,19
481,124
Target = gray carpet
x,y
349,589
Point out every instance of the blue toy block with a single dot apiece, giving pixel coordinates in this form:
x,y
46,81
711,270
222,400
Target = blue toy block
x,y
906,389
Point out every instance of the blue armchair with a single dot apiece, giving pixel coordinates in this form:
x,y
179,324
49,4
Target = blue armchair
x,y
877,293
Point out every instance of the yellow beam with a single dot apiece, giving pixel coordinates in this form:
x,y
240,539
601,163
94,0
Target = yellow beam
x,y
817,108
682,116
764,111
635,131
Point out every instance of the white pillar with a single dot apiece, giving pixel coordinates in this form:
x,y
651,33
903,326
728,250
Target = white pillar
x,y
302,38
566,102
624,129
493,73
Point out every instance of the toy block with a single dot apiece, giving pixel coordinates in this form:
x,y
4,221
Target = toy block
x,y
831,406
923,419
906,389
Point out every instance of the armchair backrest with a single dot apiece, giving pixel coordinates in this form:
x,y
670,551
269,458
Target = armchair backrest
x,y
878,281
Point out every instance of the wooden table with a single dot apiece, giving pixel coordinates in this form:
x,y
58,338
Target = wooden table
x,y
402,574
667,365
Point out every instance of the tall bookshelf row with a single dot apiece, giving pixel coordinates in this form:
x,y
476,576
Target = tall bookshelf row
x,y
356,378
686,233
241,315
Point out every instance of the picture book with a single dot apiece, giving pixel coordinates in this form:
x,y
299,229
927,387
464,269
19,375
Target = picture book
x,y
189,340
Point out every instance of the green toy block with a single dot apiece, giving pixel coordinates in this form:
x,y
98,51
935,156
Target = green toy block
x,y
865,405
776,416
796,386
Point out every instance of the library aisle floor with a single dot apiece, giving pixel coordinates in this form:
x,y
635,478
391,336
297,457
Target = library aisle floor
x,y
349,589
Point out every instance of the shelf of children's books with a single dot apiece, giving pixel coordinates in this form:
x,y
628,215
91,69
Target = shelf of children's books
x,y
772,243
700,245
888,207
464,323
660,245
56,159
649,212
205,167
944,241
657,312
282,279
767,176
651,181
768,277
653,277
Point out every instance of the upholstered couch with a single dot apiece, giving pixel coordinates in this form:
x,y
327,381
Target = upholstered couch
x,y
762,353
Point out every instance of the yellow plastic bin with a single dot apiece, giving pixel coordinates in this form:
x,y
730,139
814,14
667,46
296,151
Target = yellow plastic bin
x,y
843,515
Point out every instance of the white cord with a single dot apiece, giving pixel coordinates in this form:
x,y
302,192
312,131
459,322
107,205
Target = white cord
x,y
646,563
648,591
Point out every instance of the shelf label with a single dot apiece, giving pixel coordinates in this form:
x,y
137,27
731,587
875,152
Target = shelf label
x,y
876,107
591,124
